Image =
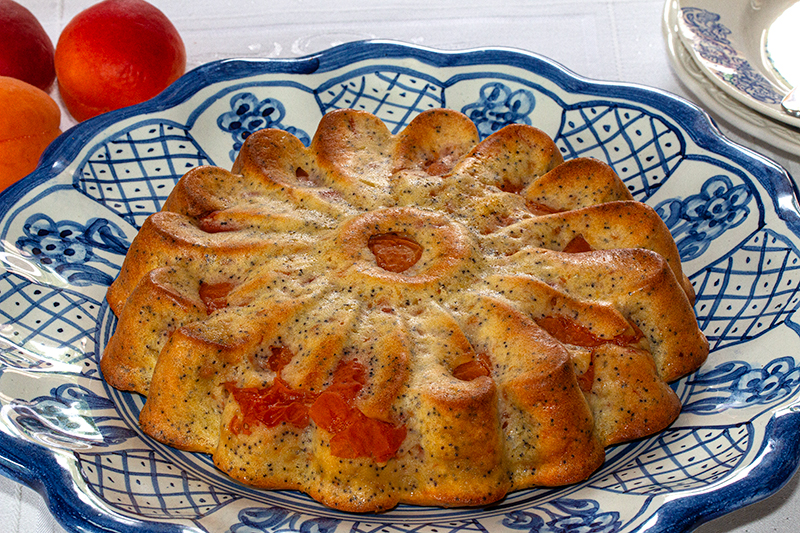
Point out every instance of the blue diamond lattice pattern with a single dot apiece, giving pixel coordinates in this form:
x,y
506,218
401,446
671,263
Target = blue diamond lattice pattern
x,y
139,482
41,316
133,173
679,460
748,291
393,96
642,148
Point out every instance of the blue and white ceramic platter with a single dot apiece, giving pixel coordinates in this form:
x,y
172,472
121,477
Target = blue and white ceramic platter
x,y
64,231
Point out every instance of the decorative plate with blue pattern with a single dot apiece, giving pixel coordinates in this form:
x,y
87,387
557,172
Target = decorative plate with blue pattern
x,y
716,101
64,231
747,48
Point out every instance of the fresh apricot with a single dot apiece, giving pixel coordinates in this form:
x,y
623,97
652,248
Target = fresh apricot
x,y
115,54
26,52
30,120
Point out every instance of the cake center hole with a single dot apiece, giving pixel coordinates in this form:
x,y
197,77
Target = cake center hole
x,y
393,252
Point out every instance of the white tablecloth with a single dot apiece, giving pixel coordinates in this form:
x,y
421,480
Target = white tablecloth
x,y
618,40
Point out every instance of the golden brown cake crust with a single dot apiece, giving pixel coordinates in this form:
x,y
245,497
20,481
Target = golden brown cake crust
x,y
419,318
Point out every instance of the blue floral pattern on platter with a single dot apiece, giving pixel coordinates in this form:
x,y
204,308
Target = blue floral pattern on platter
x,y
71,416
726,208
498,106
565,515
74,247
712,43
736,384
249,114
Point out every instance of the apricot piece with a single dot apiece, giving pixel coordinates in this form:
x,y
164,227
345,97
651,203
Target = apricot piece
x,y
577,245
115,54
479,367
26,52
393,252
30,122
215,295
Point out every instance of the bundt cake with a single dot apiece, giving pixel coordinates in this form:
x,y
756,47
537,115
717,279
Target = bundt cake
x,y
415,318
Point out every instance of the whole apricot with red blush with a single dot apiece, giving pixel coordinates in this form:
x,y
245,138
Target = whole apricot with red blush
x,y
26,51
29,121
115,54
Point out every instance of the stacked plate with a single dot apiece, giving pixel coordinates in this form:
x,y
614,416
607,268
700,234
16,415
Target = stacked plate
x,y
739,57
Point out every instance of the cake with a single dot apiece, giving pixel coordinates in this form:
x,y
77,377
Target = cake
x,y
420,317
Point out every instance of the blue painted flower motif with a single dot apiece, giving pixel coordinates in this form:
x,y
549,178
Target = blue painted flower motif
x,y
522,521
714,46
701,218
498,106
706,23
736,384
66,417
749,81
248,115
716,53
568,516
70,247
79,396
274,519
